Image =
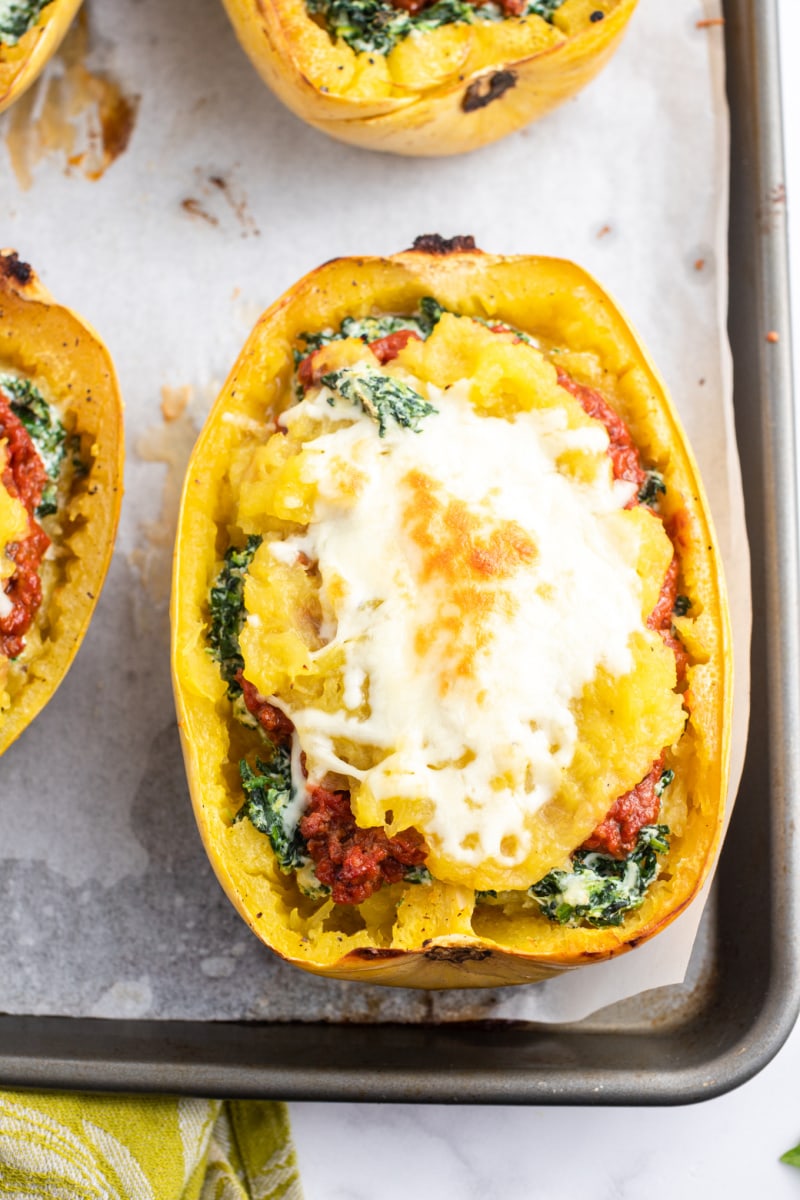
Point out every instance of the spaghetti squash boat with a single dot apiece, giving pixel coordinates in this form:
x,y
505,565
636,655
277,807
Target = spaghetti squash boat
x,y
450,643
60,488
30,33
428,77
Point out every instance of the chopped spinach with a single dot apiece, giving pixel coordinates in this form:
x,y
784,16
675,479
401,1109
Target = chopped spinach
x,y
371,329
45,430
651,488
312,342
452,12
681,606
380,396
376,26
365,25
544,8
600,890
309,884
226,604
501,327
17,17
664,782
430,313
80,467
268,793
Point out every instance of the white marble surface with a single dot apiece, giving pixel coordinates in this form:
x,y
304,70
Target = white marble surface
x,y
728,1146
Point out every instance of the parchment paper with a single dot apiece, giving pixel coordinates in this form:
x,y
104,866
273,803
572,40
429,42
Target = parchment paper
x,y
221,200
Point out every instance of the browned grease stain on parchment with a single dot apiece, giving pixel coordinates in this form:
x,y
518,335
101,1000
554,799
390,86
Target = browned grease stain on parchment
x,y
237,204
72,111
170,443
195,209
216,190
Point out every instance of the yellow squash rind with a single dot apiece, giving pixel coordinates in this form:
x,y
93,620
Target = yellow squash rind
x,y
63,355
412,935
21,64
453,98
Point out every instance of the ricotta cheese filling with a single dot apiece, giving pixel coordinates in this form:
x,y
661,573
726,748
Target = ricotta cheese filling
x,y
473,587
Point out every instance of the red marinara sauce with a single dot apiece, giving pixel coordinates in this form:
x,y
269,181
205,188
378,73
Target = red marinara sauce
x,y
24,477
355,862
661,618
269,717
626,465
385,350
621,447
618,832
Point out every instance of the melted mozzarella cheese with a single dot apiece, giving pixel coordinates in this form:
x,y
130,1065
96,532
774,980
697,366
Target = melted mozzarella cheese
x,y
474,587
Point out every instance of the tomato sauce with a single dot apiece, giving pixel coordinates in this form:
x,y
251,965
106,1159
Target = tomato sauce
x,y
618,832
661,618
510,8
270,718
24,477
621,448
354,862
387,348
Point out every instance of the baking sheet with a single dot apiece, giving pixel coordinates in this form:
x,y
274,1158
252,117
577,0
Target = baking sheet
x,y
219,202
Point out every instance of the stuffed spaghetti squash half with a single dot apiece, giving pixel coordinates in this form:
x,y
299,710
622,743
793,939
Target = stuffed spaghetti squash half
x,y
60,488
427,77
30,33
450,642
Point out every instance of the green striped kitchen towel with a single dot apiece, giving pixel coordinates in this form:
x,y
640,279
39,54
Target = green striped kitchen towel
x,y
77,1147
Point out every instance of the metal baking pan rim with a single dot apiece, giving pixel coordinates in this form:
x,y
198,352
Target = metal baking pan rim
x,y
183,1064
